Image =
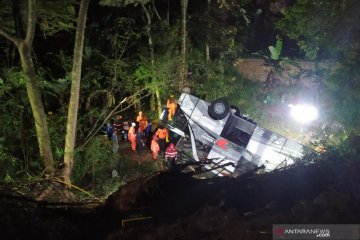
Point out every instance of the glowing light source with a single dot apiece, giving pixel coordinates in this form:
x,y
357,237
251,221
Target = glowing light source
x,y
303,113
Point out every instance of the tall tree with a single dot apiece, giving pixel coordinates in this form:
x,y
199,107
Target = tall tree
x,y
24,42
75,91
147,11
207,44
183,65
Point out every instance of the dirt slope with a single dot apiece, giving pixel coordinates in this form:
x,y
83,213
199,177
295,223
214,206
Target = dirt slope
x,y
176,206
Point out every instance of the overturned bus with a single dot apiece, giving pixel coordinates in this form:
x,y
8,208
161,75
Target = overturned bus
x,y
216,136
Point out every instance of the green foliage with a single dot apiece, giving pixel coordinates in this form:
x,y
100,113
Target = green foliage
x,y
10,79
158,75
6,16
53,16
14,111
56,15
115,65
328,28
215,79
341,93
221,28
56,125
8,164
93,162
275,52
123,3
246,98
93,166
345,150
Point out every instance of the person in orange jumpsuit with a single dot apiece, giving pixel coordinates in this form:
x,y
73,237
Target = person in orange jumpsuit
x,y
171,105
163,135
139,116
132,136
155,148
142,121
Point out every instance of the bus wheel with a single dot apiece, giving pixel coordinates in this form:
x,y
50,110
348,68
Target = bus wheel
x,y
218,109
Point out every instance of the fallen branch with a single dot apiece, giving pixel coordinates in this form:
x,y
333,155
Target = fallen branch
x,y
130,99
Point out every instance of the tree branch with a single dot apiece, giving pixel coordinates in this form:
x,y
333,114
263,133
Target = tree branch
x,y
116,110
9,36
30,29
155,11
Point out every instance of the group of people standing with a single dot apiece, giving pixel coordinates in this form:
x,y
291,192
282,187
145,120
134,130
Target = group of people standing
x,y
160,144
141,137
139,132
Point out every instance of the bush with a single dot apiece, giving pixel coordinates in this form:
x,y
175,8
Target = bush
x,y
8,165
94,164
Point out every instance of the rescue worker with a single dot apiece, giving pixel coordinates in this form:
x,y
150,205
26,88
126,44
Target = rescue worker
x,y
115,141
143,124
139,116
125,130
171,105
142,121
163,137
118,125
109,130
148,134
132,136
155,149
171,155
139,142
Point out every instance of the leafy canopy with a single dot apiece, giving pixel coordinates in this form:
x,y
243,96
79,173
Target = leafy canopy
x,y
323,29
123,3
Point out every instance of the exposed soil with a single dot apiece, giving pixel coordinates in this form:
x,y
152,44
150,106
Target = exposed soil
x,y
171,205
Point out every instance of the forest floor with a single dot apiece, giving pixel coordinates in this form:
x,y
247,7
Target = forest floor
x,y
171,205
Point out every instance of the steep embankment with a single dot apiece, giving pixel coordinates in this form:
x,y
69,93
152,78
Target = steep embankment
x,y
176,206
222,208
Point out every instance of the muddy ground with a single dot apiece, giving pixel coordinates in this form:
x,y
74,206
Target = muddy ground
x,y
172,205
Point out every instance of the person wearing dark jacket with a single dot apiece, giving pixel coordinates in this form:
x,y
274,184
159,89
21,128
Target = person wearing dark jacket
x,y
139,142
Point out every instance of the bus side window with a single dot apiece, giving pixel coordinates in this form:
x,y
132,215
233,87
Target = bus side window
x,y
233,132
239,137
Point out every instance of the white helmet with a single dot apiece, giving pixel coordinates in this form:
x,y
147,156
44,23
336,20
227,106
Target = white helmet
x,y
133,124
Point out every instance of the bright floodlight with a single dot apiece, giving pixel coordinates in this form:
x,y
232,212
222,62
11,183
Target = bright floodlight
x,y
303,113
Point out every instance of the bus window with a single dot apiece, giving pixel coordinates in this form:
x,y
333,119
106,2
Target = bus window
x,y
239,137
238,131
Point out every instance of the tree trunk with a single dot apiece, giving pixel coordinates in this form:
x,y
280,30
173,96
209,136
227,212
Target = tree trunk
x,y
24,46
37,107
152,56
183,65
75,92
207,44
168,13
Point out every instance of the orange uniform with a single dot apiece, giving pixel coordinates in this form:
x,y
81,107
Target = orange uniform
x,y
155,148
132,137
171,105
142,120
162,133
143,124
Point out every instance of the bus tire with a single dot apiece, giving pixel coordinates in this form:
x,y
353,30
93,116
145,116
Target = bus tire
x,y
218,109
